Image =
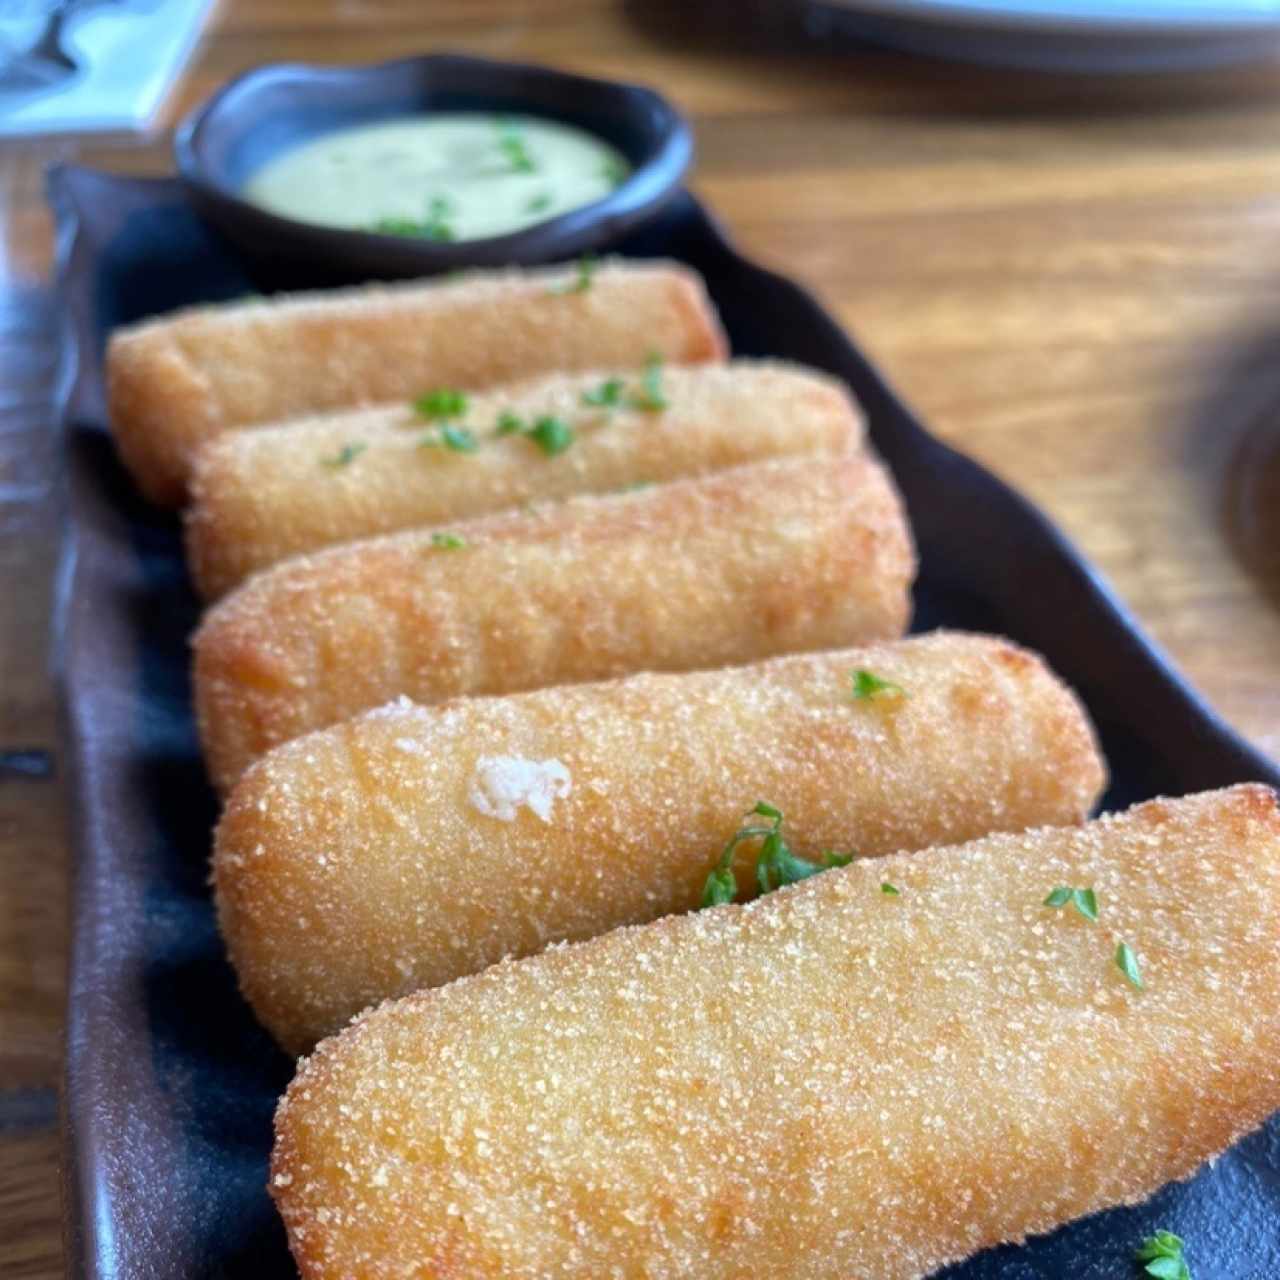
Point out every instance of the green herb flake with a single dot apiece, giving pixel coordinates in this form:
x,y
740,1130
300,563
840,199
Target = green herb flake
x,y
581,282
514,148
1085,901
1161,1256
891,890
551,435
459,439
608,395
452,437
442,402
651,398
448,541
867,686
615,171
434,226
776,865
346,455
1127,963
721,887
437,227
397,227
539,204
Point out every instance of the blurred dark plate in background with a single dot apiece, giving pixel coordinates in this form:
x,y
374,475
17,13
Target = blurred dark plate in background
x,y
1105,36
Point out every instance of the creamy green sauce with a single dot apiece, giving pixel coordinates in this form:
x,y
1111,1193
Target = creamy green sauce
x,y
450,176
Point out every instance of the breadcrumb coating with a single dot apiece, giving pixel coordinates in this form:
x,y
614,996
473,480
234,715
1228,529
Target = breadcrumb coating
x,y
826,1082
261,496
776,557
380,856
177,381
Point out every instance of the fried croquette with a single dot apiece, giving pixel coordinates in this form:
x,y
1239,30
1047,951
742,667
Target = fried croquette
x,y
417,844
829,1081
776,557
261,496
178,380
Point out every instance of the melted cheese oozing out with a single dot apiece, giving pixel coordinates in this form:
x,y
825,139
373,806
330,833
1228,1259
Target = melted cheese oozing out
x,y
503,783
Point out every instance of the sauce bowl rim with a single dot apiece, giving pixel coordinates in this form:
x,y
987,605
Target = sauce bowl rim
x,y
654,177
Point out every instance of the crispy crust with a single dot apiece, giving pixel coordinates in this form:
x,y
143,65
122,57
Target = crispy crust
x,y
353,864
777,557
828,1082
177,381
261,496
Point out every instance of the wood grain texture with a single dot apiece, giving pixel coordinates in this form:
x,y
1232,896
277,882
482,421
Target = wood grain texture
x,y
29,1206
1076,281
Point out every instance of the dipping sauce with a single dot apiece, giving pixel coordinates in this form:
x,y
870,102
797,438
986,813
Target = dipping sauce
x,y
449,176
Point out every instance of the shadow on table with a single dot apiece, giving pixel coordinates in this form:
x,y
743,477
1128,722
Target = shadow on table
x,y
1232,449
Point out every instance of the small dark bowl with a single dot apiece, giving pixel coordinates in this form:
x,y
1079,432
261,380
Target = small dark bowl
x,y
265,111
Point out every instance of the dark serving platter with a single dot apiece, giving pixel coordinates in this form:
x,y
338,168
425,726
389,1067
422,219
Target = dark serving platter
x,y
170,1084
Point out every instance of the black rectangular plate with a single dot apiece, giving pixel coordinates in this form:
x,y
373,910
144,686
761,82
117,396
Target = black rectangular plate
x,y
170,1083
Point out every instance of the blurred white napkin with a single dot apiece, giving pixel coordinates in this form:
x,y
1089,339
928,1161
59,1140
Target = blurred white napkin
x,y
91,65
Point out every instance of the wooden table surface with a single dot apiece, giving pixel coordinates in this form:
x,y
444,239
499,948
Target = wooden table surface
x,y
1076,281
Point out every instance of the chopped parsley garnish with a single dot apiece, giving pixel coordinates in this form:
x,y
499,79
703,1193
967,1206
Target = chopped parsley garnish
x,y
721,887
608,395
437,226
434,226
450,436
513,147
551,435
442,402
346,455
1085,901
651,398
867,686
1161,1256
615,171
582,281
448,541
539,203
891,889
397,227
776,865
1127,963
